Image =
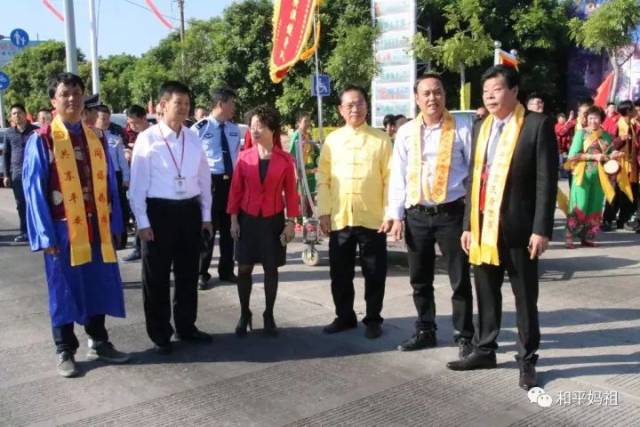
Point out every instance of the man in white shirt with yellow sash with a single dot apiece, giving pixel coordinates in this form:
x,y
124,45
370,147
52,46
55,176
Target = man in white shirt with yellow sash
x,y
429,169
508,218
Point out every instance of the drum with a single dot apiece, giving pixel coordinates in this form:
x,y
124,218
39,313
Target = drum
x,y
611,167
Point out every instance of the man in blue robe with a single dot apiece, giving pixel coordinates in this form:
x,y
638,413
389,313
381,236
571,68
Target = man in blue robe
x,y
84,293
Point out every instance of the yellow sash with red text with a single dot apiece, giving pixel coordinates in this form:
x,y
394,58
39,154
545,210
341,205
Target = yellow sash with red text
x,y
73,200
438,193
484,242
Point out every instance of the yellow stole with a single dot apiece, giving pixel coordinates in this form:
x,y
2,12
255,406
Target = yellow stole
x,y
628,166
484,243
579,168
73,200
438,193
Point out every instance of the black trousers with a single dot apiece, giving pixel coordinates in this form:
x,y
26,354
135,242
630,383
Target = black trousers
x,y
124,207
342,259
18,194
177,237
523,275
621,207
221,222
65,339
423,230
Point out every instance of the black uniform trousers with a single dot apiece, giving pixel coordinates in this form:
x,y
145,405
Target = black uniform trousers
x,y
124,208
425,227
373,260
21,205
176,228
221,222
621,207
523,275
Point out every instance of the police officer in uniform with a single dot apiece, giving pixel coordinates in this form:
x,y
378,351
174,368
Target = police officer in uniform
x,y
221,142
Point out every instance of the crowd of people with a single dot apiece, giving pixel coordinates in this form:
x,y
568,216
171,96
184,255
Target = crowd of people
x,y
484,191
600,154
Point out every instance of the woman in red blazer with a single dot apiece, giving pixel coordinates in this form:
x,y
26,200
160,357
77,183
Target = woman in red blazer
x,y
263,185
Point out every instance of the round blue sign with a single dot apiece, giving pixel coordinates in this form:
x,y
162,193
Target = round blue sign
x,y
4,80
19,38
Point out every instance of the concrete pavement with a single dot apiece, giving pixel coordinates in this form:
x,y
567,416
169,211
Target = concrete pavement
x,y
589,359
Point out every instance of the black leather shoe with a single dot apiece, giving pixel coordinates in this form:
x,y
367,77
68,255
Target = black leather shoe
x,y
232,278
422,339
243,324
465,347
270,327
339,326
474,361
373,331
163,349
197,336
607,226
203,283
528,376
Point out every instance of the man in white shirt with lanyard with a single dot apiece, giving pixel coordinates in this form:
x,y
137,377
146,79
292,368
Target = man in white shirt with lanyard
x,y
170,196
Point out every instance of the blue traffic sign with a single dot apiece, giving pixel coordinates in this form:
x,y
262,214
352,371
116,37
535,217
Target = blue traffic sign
x,y
5,81
320,85
19,38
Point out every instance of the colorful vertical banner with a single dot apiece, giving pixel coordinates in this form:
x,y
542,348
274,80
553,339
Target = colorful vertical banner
x,y
392,87
292,27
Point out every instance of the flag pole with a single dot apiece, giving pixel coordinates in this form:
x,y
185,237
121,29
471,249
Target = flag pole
x,y
317,61
496,52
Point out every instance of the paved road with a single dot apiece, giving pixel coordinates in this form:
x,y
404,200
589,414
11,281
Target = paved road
x,y
590,316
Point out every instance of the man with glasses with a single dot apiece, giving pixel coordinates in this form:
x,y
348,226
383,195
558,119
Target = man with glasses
x,y
353,173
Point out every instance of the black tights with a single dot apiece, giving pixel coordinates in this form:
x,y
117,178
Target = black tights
x,y
244,288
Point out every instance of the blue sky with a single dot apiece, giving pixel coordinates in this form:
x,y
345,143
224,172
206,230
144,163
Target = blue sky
x,y
124,26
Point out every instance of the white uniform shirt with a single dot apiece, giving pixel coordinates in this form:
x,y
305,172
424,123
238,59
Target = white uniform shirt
x,y
153,170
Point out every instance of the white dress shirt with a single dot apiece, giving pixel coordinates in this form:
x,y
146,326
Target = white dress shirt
x,y
153,171
492,144
458,170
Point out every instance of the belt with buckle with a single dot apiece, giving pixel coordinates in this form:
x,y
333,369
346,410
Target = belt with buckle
x,y
436,209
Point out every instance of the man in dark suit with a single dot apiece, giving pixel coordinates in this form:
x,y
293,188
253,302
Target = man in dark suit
x,y
508,218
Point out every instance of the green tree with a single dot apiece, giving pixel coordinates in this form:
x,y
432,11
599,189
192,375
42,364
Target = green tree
x,y
464,43
610,29
30,72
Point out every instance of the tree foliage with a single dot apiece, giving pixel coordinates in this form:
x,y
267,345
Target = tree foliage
x,y
610,29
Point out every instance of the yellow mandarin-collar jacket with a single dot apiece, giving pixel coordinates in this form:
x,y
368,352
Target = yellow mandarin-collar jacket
x,y
353,177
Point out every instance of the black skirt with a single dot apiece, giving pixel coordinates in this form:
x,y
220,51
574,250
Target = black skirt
x,y
259,241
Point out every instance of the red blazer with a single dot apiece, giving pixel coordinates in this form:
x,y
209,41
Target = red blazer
x,y
251,196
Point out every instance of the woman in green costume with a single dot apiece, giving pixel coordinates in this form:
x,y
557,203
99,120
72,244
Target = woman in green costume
x,y
310,154
590,149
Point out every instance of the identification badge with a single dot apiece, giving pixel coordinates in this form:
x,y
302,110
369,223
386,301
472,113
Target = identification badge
x,y
180,185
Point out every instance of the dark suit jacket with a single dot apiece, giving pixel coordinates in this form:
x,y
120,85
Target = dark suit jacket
x,y
529,200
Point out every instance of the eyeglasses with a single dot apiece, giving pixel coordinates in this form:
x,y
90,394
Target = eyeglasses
x,y
354,105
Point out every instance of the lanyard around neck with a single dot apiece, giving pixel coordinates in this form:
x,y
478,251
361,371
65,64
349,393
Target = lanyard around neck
x,y
178,168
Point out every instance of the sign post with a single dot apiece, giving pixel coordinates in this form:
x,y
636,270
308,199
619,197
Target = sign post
x,y
5,81
19,38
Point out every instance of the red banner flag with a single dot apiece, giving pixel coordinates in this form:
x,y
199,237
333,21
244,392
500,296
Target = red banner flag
x,y
508,59
292,26
602,96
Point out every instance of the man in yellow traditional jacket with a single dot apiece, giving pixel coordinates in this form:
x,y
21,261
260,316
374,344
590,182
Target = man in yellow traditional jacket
x,y
73,212
429,170
508,218
353,173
